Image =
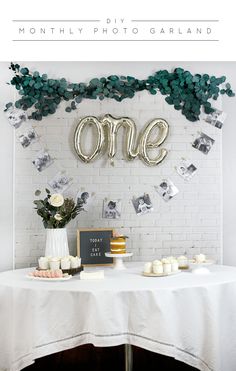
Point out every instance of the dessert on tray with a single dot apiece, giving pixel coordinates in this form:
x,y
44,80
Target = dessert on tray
x,y
118,244
183,262
57,262
155,267
171,265
47,273
163,267
201,258
68,264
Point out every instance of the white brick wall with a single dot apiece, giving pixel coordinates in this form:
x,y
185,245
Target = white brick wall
x,y
191,222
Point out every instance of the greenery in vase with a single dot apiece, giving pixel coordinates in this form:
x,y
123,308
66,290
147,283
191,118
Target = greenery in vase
x,y
57,211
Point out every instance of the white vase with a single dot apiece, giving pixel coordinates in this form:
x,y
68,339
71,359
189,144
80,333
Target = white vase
x,y
56,242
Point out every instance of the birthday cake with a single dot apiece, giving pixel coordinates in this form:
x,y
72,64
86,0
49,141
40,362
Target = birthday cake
x,y
118,244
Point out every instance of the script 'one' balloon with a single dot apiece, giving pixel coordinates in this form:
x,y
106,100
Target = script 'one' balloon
x,y
144,144
111,125
89,120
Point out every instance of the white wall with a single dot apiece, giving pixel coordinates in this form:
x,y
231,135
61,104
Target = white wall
x,y
193,218
189,223
6,169
229,174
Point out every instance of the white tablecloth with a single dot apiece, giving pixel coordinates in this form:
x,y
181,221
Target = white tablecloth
x,y
187,316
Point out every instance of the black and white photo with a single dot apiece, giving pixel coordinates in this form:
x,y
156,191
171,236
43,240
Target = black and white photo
x,y
186,169
42,160
216,118
166,189
60,182
85,198
28,137
203,143
111,209
16,116
142,204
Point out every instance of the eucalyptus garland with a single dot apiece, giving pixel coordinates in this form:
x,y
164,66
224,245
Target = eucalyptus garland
x,y
186,92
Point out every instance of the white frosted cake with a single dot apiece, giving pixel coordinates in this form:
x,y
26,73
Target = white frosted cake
x,y
201,258
183,262
57,262
164,266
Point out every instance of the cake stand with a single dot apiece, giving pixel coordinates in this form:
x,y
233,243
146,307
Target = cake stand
x,y
118,259
201,268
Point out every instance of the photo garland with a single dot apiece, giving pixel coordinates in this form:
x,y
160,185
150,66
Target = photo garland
x,y
26,82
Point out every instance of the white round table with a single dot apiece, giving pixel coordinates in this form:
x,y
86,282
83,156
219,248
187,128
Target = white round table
x,y
189,317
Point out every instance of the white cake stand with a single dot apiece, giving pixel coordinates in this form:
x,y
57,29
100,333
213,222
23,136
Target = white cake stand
x,y
201,268
118,259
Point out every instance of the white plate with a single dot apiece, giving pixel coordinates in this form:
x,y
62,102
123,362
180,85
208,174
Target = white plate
x,y
160,274
65,278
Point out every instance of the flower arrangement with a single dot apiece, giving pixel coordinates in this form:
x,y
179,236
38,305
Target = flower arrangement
x,y
57,211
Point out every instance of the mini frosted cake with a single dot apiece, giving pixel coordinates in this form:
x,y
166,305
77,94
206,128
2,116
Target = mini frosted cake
x,y
57,262
199,259
164,266
183,262
118,245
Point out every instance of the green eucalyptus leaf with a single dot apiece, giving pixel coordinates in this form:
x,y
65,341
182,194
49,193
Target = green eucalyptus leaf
x,y
185,91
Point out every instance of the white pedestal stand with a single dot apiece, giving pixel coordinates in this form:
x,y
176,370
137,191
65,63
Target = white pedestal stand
x,y
200,268
118,259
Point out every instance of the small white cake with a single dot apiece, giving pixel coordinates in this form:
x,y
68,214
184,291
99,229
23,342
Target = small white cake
x,y
65,263
43,262
174,264
166,265
201,258
75,262
147,267
157,267
183,261
54,263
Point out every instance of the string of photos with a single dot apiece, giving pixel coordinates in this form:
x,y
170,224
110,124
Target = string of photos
x,y
41,96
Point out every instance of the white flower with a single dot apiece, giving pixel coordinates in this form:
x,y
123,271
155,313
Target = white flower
x,y
58,217
56,200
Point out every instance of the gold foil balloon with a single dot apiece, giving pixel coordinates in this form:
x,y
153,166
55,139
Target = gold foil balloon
x,y
144,144
112,125
91,120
